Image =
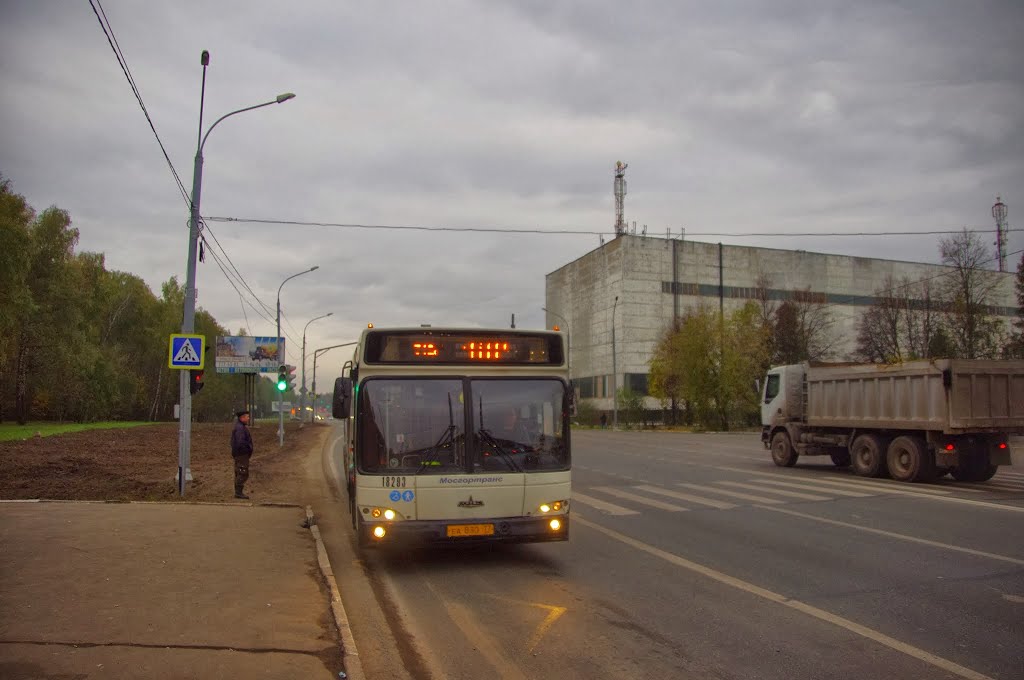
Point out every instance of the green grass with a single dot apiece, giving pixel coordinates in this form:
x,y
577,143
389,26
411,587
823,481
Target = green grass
x,y
13,431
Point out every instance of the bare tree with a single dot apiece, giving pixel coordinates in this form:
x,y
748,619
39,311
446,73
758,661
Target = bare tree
x,y
1015,348
803,329
968,294
882,326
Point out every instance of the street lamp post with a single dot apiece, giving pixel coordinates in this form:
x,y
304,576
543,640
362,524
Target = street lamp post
x,y
188,320
283,359
302,392
317,353
615,376
568,337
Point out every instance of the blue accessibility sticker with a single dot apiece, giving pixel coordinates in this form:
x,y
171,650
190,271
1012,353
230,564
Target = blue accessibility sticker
x,y
395,496
408,496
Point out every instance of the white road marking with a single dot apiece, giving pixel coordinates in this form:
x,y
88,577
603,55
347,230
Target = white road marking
x,y
610,508
820,614
721,505
734,494
779,492
902,537
661,505
809,487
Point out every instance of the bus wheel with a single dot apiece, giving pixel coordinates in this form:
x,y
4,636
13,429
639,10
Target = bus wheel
x,y
782,450
909,460
866,456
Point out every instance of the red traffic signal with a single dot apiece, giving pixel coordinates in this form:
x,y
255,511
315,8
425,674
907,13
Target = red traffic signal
x,y
195,381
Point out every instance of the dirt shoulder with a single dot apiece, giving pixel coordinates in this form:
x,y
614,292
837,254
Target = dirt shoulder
x,y
140,464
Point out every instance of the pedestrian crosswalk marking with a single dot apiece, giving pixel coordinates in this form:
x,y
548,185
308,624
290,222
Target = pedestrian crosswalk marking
x,y
610,508
891,488
721,505
661,505
838,492
780,492
734,494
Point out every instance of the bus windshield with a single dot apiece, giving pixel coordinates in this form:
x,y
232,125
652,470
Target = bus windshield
x,y
420,425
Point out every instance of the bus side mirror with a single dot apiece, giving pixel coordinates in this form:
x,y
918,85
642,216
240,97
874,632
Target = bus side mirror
x,y
342,394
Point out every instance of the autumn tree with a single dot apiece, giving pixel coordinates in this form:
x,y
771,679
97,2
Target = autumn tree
x,y
1015,347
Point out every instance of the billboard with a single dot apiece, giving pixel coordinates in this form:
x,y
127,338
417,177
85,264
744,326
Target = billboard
x,y
249,354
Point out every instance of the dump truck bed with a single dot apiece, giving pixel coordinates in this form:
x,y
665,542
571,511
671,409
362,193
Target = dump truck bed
x,y
948,395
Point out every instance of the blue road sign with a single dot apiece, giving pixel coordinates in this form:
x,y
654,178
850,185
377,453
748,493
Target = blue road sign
x,y
187,351
408,496
395,496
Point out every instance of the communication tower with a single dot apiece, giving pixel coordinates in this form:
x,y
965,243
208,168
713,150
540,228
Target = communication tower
x,y
999,213
619,187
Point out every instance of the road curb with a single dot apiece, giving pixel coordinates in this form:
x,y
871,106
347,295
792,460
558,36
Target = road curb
x,y
353,665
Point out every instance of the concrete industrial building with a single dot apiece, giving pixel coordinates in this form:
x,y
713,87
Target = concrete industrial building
x,y
657,279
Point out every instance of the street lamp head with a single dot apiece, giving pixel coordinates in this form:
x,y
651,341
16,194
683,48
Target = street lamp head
x,y
282,98
329,314
314,268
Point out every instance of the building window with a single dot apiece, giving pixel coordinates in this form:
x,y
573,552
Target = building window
x,y
637,383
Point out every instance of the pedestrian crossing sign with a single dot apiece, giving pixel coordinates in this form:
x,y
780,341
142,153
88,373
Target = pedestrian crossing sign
x,y
187,351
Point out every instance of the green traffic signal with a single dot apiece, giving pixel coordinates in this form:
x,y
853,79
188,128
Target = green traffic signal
x,y
282,379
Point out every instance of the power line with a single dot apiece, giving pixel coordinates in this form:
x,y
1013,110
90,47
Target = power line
x,y
108,31
578,232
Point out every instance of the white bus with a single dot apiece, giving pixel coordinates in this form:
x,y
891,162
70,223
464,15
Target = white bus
x,y
457,435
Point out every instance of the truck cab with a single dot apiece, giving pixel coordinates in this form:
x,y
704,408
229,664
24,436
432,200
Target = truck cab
x,y
780,398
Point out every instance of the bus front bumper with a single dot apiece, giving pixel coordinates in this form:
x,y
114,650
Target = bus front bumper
x,y
457,532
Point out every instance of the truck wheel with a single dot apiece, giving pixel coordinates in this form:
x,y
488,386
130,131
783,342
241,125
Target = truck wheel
x,y
866,456
909,460
841,458
782,450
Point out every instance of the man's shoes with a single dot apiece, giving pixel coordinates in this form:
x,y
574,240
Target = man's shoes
x,y
239,494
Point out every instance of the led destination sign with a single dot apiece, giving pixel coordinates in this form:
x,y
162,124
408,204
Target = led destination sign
x,y
462,347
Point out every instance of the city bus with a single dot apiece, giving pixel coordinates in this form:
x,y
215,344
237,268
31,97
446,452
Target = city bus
x,y
456,435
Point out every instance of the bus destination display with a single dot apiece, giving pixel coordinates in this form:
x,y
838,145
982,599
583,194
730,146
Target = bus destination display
x,y
445,347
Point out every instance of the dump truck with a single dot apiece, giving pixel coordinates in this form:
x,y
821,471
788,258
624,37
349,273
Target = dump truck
x,y
914,421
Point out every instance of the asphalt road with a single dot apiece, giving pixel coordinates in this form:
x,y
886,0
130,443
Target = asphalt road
x,y
693,556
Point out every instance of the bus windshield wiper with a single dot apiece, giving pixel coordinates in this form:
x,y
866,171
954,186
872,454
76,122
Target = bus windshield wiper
x,y
447,438
489,439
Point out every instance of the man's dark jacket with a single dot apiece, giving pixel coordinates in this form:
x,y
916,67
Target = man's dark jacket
x,y
241,440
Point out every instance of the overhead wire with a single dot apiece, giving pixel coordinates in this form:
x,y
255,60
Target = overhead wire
x,y
574,232
108,31
116,47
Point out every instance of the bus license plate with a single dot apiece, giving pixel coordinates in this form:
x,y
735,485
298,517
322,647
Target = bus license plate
x,y
455,530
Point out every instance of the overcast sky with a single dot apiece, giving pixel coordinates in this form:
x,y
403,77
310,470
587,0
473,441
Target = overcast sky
x,y
734,117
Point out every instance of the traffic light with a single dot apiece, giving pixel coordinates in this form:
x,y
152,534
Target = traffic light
x,y
195,381
282,379
290,374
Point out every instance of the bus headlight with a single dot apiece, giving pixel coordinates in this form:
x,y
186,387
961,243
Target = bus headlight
x,y
389,514
555,524
379,532
553,506
545,508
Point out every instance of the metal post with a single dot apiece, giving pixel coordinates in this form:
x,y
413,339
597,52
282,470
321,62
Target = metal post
x,y
302,395
189,312
615,371
281,357
568,338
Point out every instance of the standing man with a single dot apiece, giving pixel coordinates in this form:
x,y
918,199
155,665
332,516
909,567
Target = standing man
x,y
241,451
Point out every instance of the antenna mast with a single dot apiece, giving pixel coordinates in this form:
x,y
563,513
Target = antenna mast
x,y
619,187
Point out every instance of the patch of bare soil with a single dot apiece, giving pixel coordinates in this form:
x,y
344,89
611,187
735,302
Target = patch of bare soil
x,y
140,464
